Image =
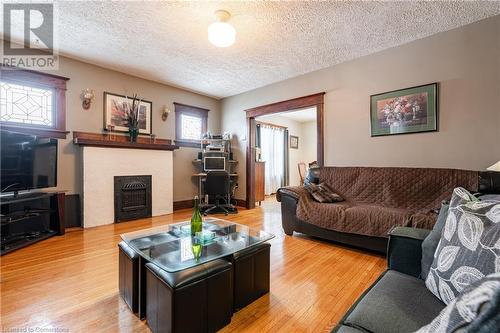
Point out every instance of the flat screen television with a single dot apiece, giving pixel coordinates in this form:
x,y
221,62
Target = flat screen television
x,y
214,163
27,162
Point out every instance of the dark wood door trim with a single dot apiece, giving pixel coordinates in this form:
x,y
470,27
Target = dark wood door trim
x,y
320,133
250,163
316,100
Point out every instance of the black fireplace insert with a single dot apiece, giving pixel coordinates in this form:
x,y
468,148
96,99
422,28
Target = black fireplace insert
x,y
132,197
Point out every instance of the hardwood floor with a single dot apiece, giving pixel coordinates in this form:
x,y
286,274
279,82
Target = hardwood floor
x,y
70,282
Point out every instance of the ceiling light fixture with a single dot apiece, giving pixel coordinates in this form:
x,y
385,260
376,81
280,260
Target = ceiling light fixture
x,y
221,33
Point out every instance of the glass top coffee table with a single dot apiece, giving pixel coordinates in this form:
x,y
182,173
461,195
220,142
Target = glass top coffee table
x,y
172,247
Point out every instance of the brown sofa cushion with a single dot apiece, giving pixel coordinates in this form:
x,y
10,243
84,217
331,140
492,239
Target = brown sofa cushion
x,y
369,219
351,217
323,193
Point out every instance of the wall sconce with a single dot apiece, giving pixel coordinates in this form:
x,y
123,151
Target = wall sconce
x,y
87,97
164,114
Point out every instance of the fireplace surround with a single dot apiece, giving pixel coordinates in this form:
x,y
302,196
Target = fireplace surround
x,y
100,166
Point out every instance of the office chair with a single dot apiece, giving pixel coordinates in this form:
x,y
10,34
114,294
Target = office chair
x,y
218,186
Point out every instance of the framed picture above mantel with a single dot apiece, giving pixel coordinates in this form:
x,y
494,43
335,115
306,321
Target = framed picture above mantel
x,y
409,110
115,114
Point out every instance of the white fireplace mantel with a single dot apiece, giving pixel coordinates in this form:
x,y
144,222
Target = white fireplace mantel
x,y
102,164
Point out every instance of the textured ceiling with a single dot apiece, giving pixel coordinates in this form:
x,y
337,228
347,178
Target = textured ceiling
x,y
167,41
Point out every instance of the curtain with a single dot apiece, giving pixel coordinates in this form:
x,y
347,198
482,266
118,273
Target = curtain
x,y
272,143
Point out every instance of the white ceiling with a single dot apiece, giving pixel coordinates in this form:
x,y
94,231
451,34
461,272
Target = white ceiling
x,y
167,41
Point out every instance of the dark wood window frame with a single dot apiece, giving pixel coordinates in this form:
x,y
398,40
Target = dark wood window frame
x,y
190,110
45,81
316,100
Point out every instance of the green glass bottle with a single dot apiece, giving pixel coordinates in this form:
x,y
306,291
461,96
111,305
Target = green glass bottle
x,y
196,220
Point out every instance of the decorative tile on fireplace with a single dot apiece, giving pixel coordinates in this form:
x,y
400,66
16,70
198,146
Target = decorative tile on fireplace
x,y
132,197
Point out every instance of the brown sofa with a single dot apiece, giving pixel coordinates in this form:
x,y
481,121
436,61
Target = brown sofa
x,y
376,200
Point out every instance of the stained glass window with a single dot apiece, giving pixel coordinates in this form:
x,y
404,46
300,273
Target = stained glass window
x,y
190,123
191,127
26,105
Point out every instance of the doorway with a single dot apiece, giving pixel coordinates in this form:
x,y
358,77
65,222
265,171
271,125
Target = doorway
x,y
262,122
285,145
271,157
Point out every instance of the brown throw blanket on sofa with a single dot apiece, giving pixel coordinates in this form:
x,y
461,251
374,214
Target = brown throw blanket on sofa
x,y
377,199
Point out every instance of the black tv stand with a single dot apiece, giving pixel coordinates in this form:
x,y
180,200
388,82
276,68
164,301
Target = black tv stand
x,y
23,195
27,218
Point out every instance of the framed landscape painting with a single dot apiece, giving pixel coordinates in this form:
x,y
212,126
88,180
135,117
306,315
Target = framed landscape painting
x,y
409,110
115,115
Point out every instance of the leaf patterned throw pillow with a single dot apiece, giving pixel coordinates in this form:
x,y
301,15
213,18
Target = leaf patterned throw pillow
x,y
476,306
469,248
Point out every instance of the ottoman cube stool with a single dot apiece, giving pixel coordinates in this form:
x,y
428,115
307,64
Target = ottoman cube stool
x,y
197,299
128,276
251,274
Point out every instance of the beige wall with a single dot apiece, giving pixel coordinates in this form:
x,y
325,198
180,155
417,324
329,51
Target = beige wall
x,y
307,142
465,62
83,75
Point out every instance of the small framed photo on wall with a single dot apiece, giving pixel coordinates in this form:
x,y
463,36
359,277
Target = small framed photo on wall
x,y
409,110
294,142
